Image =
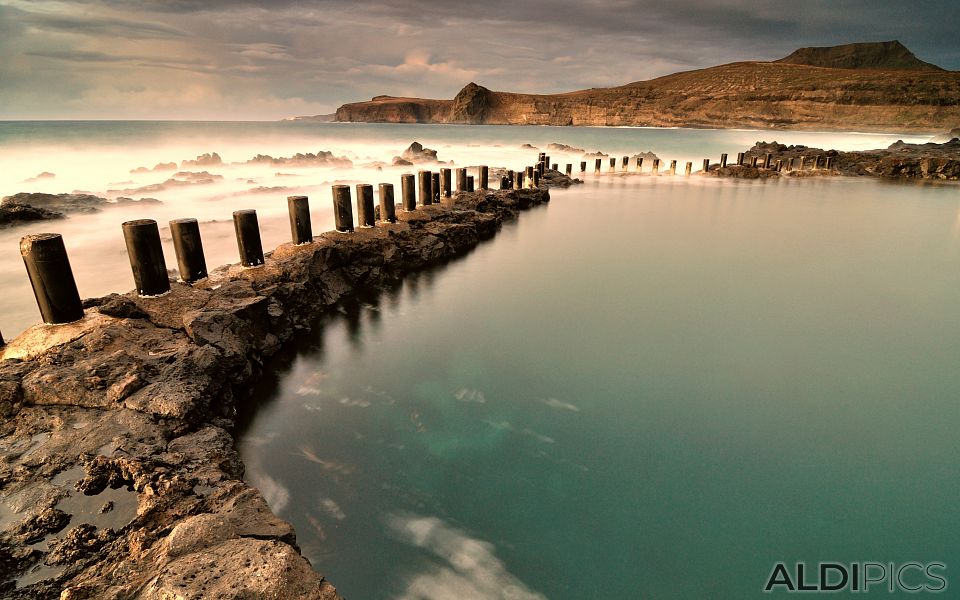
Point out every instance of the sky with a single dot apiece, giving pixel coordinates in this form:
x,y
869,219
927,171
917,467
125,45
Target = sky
x,y
270,59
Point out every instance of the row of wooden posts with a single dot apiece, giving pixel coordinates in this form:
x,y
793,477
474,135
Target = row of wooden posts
x,y
55,288
764,162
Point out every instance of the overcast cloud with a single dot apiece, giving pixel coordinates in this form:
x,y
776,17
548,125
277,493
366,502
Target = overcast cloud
x,y
260,59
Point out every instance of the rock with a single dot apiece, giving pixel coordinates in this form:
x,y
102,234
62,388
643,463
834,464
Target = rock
x,y
416,153
562,148
953,134
40,177
204,160
170,166
323,158
56,202
470,104
13,213
401,162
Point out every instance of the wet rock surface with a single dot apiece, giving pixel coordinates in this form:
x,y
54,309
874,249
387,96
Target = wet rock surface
x,y
14,213
118,473
930,161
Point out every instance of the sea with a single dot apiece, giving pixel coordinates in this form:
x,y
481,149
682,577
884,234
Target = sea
x,y
652,387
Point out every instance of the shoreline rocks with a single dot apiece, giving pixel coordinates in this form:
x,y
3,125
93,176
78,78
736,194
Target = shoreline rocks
x,y
127,413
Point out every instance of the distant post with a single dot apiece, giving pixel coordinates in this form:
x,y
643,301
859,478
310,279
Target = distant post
x,y
425,181
189,249
706,165
51,277
753,161
484,175
656,166
435,187
529,173
518,181
739,159
779,166
569,170
723,160
597,170
247,228
583,166
388,208
639,164
689,169
461,180
445,183
673,167
365,217
767,160
301,230
613,164
505,182
142,238
536,180
623,163
407,192
342,209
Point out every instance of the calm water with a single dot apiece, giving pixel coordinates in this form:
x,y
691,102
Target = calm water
x,y
98,156
659,401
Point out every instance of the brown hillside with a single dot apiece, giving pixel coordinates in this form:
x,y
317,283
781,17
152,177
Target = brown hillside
x,y
746,94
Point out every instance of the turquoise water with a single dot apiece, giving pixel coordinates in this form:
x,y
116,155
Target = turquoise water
x,y
650,388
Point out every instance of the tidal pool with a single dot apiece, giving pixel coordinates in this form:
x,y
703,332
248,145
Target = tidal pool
x,y
650,388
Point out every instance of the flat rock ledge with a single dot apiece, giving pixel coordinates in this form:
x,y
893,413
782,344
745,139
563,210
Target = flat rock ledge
x,y
118,472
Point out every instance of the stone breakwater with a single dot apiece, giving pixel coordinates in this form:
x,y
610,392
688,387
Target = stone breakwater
x,y
118,473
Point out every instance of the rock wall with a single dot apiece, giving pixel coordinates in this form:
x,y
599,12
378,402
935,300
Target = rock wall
x,y
132,409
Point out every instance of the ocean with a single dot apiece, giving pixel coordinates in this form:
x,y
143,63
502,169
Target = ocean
x,y
653,387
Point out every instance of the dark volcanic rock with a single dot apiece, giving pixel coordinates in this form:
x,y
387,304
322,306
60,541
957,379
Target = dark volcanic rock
x,y
470,104
57,202
416,153
12,213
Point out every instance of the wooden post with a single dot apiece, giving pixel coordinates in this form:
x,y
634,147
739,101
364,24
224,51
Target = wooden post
x,y
408,192
623,163
247,228
689,169
365,216
189,249
597,170
723,160
536,180
483,174
753,162
142,238
388,208
51,277
706,165
673,167
766,162
461,180
425,181
445,183
583,166
569,170
342,208
301,230
656,166
740,159
779,166
613,164
518,180
435,187
639,164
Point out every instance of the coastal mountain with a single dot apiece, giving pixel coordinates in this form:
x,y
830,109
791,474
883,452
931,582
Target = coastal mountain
x,y
874,55
864,87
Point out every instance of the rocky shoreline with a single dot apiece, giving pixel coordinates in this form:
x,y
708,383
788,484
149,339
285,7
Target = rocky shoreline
x,y
118,472
902,161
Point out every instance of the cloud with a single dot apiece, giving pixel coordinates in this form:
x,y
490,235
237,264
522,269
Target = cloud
x,y
463,567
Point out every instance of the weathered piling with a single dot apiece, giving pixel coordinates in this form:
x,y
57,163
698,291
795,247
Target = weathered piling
x,y
343,209
142,238
546,161
388,208
365,216
739,159
189,249
301,230
529,172
766,160
583,166
802,160
51,277
816,162
569,170
435,187
541,168
688,169
505,182
723,160
623,163
461,180
779,165
597,167
470,181
613,164
639,164
483,176
407,192
706,165
828,164
518,181
248,237
753,161
656,166
446,184
555,167
673,167
425,182
536,180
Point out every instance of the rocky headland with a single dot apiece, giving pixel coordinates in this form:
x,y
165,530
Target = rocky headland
x,y
878,86
118,473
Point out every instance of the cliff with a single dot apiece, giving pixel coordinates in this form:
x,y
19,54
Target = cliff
x,y
880,87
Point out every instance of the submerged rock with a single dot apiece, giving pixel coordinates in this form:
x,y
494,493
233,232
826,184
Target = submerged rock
x,y
204,160
13,213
